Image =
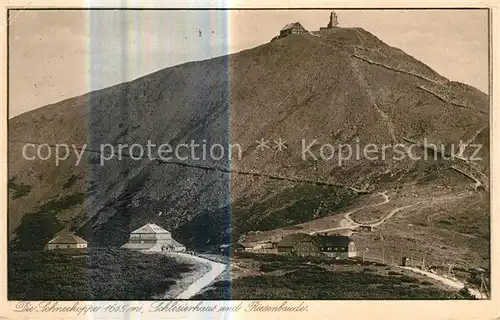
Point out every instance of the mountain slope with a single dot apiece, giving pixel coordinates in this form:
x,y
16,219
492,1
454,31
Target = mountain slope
x,y
339,86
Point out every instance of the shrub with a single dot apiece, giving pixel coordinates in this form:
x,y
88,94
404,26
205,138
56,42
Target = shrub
x,y
268,267
464,292
71,181
407,279
378,264
20,190
35,230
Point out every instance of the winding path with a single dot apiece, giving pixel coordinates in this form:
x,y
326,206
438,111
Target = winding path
x,y
202,279
348,215
347,222
392,213
215,270
396,210
449,282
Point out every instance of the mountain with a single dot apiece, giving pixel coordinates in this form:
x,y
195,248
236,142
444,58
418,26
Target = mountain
x,y
337,86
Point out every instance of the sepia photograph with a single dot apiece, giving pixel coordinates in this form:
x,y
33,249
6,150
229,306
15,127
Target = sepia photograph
x,y
248,154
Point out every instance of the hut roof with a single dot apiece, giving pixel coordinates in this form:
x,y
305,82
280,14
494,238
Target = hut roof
x,y
332,241
150,228
321,240
289,26
176,244
292,239
67,238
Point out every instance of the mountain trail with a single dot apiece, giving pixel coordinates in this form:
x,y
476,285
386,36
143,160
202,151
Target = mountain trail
x,y
440,97
347,222
194,282
453,283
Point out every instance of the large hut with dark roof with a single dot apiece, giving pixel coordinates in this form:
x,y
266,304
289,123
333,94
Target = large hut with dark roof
x,y
336,246
302,244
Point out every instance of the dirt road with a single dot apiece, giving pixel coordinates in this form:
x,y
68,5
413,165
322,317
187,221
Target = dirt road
x,y
214,271
449,282
347,222
348,215
394,211
192,282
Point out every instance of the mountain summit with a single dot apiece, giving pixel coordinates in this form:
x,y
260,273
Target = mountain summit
x,y
340,86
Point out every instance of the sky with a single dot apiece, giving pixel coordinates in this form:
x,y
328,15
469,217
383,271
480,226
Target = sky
x,y
56,55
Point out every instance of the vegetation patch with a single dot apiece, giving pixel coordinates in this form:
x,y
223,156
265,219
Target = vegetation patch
x,y
56,206
322,278
320,284
95,274
71,181
292,206
19,189
35,230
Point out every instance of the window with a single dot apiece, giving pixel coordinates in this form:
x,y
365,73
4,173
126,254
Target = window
x,y
67,246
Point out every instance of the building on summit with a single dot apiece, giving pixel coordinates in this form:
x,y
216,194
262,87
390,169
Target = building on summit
x,y
290,29
334,22
151,235
66,241
297,28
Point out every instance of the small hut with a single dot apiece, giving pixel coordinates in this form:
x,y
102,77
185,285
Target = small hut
x,y
66,241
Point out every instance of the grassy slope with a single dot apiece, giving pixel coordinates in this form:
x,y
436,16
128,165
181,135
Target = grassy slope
x,y
300,203
438,229
316,278
100,274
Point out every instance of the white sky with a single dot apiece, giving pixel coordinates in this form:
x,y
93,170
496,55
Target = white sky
x,y
55,55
